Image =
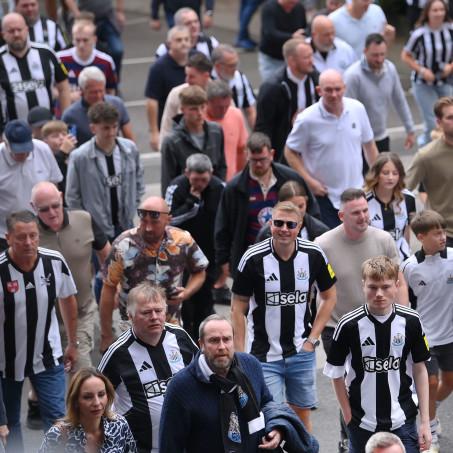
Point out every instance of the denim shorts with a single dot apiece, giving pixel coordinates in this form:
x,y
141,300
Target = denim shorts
x,y
293,379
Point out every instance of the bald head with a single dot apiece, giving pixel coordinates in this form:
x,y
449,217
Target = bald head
x,y
47,202
331,88
322,33
15,33
155,204
43,189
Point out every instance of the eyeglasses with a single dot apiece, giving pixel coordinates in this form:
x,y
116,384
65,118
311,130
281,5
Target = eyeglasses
x,y
142,213
48,207
290,224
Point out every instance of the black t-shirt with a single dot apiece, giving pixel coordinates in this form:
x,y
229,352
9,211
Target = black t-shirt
x,y
163,75
277,27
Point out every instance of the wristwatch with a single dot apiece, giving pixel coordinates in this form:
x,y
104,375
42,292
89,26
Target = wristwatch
x,y
314,341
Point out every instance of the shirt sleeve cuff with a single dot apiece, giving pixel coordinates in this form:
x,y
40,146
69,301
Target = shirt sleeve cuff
x,y
333,371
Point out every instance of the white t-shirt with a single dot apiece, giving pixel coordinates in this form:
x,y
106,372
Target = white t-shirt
x,y
354,31
332,146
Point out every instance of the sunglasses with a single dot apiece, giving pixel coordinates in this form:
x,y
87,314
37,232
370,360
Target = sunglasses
x,y
48,207
290,224
142,213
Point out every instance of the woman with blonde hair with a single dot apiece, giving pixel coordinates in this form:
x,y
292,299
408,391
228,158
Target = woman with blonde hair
x,y
390,205
90,425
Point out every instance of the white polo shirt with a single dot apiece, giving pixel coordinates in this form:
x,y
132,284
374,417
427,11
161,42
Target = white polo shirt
x,y
18,178
340,57
331,146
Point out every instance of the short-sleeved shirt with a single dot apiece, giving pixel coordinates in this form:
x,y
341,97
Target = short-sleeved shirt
x,y
132,261
393,217
18,178
378,358
75,65
354,31
28,81
331,146
339,57
77,114
29,334
430,281
279,316
163,75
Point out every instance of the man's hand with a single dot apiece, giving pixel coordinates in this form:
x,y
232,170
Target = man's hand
x,y
106,341
207,20
178,296
447,70
424,436
389,33
299,33
194,192
307,346
154,24
317,187
410,140
271,440
428,75
120,19
70,357
224,274
4,431
154,141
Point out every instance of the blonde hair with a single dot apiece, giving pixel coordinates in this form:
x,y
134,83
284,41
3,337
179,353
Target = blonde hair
x,y
287,206
380,268
54,126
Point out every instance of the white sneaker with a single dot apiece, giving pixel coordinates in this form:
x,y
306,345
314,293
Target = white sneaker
x,y
435,447
438,428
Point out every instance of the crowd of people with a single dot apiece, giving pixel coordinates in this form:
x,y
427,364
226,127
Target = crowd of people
x,y
288,202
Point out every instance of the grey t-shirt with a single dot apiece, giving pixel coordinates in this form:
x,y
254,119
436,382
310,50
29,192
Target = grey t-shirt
x,y
346,258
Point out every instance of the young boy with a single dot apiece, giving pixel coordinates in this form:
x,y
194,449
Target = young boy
x,y
55,134
382,349
429,275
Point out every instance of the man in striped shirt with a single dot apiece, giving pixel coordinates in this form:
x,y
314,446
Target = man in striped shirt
x,y
41,28
27,82
273,288
32,279
141,363
382,348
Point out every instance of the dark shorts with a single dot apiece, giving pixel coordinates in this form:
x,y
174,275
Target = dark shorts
x,y
441,358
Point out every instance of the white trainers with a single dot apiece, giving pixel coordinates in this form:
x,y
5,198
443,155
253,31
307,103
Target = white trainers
x,y
438,428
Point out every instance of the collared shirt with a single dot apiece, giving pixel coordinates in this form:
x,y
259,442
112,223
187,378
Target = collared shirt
x,y
339,57
331,146
18,178
132,261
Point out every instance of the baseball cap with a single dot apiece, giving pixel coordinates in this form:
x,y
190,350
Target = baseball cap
x,y
38,116
18,134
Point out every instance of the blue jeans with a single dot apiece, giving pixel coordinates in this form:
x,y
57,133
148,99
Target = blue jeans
x,y
268,65
426,96
293,379
358,437
108,33
329,214
246,12
50,388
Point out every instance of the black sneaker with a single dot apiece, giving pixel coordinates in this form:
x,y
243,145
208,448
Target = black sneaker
x,y
34,420
343,446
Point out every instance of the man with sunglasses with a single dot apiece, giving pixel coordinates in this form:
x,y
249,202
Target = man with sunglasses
x,y
153,251
23,162
272,288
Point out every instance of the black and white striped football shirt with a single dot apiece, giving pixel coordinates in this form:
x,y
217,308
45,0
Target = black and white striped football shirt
x,y
140,374
29,334
241,89
27,82
46,31
394,218
279,314
378,358
433,49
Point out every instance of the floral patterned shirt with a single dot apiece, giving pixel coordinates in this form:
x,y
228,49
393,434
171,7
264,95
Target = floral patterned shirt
x,y
132,261
63,437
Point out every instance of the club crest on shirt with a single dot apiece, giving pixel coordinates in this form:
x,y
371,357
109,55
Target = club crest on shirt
x,y
301,274
174,356
12,286
45,280
264,215
398,340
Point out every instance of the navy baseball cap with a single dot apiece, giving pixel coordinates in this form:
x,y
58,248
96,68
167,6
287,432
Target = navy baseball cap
x,y
38,116
18,134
